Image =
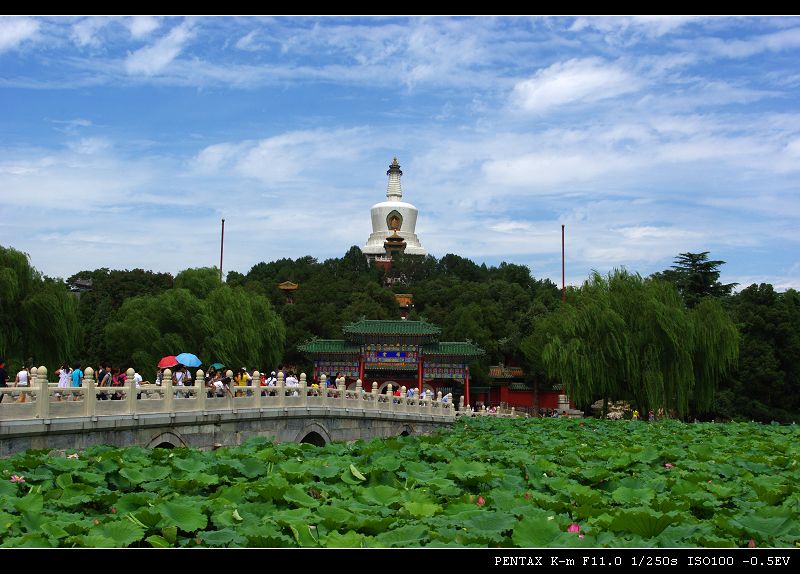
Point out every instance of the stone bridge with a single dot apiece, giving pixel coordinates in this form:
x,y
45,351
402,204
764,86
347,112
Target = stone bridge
x,y
46,416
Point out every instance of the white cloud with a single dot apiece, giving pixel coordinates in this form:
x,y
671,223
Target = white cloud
x,y
143,26
793,148
71,127
152,59
14,31
640,232
574,81
774,42
551,168
85,32
284,157
248,42
89,146
651,26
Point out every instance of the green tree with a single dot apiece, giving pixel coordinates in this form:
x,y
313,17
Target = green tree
x,y
200,281
622,336
765,386
696,277
108,290
232,325
38,316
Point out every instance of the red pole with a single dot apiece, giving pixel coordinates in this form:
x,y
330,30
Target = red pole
x,y
419,374
361,368
221,246
563,286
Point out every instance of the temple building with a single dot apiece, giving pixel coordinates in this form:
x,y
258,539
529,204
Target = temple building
x,y
393,223
400,353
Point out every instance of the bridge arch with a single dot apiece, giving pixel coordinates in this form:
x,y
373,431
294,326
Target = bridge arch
x,y
405,429
167,440
314,433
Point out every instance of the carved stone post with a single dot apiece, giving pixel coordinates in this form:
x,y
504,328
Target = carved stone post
x,y
130,391
230,396
200,390
342,392
257,391
43,394
403,398
281,393
89,395
303,390
166,386
374,395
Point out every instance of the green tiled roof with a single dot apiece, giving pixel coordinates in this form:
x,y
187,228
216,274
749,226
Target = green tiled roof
x,y
462,348
329,346
389,327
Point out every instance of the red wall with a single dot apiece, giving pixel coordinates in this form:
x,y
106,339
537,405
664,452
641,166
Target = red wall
x,y
547,399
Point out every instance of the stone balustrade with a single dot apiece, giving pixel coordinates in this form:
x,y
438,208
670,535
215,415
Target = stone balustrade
x,y
44,400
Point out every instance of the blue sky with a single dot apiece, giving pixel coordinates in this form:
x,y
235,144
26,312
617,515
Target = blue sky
x,y
124,141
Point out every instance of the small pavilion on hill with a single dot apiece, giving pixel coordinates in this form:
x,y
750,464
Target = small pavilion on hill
x,y
400,353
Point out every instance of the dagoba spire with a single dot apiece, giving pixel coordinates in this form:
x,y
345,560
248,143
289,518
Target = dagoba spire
x,y
393,191
393,222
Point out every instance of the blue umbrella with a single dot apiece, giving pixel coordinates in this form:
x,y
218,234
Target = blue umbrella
x,y
189,360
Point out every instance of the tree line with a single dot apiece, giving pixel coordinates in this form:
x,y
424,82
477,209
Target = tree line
x,y
678,339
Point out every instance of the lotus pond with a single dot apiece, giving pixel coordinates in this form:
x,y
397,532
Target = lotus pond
x,y
488,482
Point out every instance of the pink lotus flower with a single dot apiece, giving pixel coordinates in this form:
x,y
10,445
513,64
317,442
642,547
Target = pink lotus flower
x,y
581,536
17,478
751,544
669,465
481,501
574,527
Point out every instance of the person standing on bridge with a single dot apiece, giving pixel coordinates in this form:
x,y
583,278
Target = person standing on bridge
x,y
77,376
22,380
3,378
64,378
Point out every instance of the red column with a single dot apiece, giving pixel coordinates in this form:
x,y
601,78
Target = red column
x,y
466,386
419,374
361,367
315,372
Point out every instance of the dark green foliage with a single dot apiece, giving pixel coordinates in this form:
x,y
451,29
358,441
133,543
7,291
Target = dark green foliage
x,y
489,306
696,277
766,384
232,325
109,289
625,337
38,316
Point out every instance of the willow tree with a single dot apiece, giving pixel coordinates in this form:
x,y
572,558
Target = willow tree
x,y
235,326
246,330
624,337
38,316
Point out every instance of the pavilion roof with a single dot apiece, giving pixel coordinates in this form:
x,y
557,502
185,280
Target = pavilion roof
x,y
391,327
333,346
458,348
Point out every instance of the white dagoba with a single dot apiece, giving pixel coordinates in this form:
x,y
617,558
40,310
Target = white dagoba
x,y
393,216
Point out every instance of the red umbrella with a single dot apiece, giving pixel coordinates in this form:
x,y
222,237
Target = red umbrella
x,y
167,362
